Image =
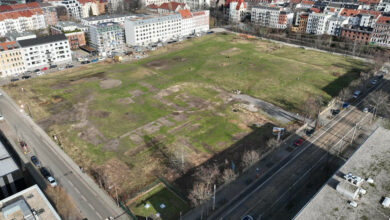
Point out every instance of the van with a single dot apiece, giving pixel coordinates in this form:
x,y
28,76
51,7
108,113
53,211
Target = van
x,y
356,94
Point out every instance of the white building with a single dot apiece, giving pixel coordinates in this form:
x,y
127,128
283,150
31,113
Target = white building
x,y
273,17
117,18
197,4
115,6
87,6
151,29
11,60
21,21
237,11
335,24
316,23
195,22
106,37
73,7
45,51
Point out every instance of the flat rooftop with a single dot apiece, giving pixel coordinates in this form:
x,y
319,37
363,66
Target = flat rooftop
x,y
29,204
371,160
7,164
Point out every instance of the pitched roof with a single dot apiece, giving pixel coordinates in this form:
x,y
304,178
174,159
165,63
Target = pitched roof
x,y
370,12
315,10
368,2
307,2
348,12
171,6
83,2
152,6
239,2
42,40
185,13
383,20
8,45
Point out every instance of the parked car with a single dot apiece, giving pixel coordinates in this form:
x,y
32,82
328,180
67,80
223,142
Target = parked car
x,y
53,66
37,70
85,62
345,104
26,76
309,132
14,79
52,181
356,94
40,73
69,66
61,68
94,60
44,68
45,173
373,82
335,111
35,161
365,110
247,217
380,77
298,142
1,94
1,117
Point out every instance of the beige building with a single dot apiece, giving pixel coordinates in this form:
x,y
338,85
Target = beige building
x,y
11,61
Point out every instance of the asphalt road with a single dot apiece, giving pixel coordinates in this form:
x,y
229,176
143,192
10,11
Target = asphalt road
x,y
271,192
93,202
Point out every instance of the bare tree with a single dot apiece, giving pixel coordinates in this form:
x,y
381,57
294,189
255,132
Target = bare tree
x,y
179,159
249,158
200,193
63,203
228,175
312,107
207,175
380,102
272,143
345,94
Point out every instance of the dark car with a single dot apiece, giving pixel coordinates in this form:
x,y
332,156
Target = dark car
x,y
380,77
26,76
335,111
298,142
45,172
85,62
37,70
53,66
309,132
247,217
35,161
14,79
69,66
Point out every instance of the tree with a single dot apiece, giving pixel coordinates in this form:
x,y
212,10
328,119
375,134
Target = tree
x,y
312,108
63,203
379,100
200,193
90,12
207,175
228,175
272,143
345,94
249,158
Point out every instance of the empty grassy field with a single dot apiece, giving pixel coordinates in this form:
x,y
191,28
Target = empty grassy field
x,y
127,123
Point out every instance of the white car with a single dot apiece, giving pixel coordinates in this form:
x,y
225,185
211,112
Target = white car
x,y
40,73
1,117
52,181
1,94
61,68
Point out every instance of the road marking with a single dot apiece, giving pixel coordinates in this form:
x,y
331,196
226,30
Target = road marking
x,y
97,213
77,190
92,207
70,183
83,197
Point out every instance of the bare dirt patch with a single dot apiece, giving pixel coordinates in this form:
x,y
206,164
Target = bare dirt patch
x,y
231,51
100,114
111,145
92,135
136,93
148,86
110,83
158,64
125,101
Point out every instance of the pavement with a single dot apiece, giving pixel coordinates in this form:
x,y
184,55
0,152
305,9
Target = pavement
x,y
271,110
92,201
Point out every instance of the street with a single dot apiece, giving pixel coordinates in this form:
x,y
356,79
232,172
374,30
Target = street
x,y
92,201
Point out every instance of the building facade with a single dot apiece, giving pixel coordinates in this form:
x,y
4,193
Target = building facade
x,y
72,31
106,37
152,29
381,32
21,21
195,22
237,11
359,34
11,61
45,51
87,7
316,23
272,17
117,18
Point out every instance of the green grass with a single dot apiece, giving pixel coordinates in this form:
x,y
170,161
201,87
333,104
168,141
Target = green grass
x,y
205,70
156,197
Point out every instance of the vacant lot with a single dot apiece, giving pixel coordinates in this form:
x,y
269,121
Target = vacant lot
x,y
127,123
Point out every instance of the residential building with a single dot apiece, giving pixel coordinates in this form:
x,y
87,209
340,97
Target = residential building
x,y
45,51
152,29
11,61
115,6
16,36
356,34
316,23
381,32
73,32
195,22
11,2
21,20
334,25
170,7
305,4
87,7
73,7
273,17
153,2
197,4
302,23
102,6
106,37
50,13
117,18
237,11
11,177
30,204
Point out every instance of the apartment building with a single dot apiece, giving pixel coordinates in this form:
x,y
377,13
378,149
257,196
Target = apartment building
x,y
106,37
381,32
116,18
45,51
237,11
151,29
273,17
334,25
115,6
88,6
197,4
171,7
73,32
73,7
11,61
195,22
21,20
359,34
317,23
